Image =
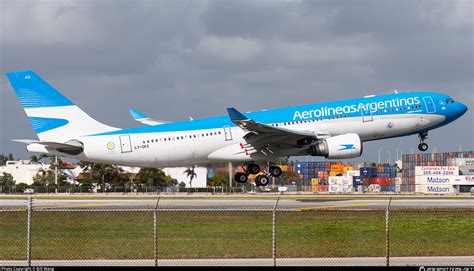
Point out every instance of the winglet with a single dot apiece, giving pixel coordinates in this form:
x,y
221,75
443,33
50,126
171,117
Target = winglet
x,y
235,115
140,117
137,115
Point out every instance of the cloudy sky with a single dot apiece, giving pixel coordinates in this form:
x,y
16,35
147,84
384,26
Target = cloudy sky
x,y
174,59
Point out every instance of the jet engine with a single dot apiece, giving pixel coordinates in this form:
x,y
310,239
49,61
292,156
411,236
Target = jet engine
x,y
338,147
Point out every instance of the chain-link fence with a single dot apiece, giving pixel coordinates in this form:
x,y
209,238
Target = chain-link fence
x,y
320,235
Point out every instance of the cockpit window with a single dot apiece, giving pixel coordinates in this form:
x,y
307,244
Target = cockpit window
x,y
449,101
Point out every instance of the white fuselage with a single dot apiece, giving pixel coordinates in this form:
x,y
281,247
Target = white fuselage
x,y
184,148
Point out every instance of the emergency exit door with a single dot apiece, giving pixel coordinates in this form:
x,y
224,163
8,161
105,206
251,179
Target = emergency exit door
x,y
227,133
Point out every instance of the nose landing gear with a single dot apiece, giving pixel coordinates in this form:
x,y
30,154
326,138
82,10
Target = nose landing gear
x,y
423,146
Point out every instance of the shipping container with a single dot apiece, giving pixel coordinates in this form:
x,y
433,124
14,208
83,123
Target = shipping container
x,y
356,180
323,188
387,188
347,168
334,188
368,181
346,189
368,172
334,180
351,173
346,181
337,168
373,188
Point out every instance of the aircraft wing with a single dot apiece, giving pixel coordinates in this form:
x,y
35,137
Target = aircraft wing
x,y
261,135
140,117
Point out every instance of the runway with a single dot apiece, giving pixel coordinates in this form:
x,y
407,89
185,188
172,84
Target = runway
x,y
362,261
234,203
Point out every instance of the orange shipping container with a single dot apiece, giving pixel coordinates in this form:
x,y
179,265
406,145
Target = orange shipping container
x,y
337,168
346,168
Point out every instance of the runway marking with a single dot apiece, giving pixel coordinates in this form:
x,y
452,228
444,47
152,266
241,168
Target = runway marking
x,y
70,206
57,207
332,206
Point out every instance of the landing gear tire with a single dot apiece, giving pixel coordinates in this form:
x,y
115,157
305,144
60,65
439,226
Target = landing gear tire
x,y
253,169
241,177
275,171
262,180
423,147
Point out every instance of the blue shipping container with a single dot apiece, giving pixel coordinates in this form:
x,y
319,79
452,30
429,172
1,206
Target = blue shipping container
x,y
368,172
356,180
387,188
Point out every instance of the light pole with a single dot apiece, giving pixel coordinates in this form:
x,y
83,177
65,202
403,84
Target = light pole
x,y
379,154
389,157
230,175
56,173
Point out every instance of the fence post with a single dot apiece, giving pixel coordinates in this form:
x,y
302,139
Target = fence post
x,y
387,232
155,233
28,231
274,232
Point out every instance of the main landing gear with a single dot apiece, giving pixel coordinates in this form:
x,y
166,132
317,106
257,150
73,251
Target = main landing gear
x,y
260,180
423,146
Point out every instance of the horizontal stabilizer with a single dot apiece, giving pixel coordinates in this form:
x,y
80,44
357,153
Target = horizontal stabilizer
x,y
73,147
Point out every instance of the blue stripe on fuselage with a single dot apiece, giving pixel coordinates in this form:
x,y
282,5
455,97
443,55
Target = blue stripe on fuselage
x,y
290,114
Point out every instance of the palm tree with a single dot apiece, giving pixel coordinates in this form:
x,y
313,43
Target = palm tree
x,y
191,175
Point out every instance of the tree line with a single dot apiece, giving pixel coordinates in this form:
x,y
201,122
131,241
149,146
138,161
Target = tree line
x,y
104,176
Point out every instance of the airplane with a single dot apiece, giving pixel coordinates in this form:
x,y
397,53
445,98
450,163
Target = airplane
x,y
335,130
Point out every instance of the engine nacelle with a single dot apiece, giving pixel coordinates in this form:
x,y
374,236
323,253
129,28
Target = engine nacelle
x,y
338,147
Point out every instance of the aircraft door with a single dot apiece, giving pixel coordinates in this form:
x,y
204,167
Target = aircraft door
x,y
125,143
367,114
430,107
227,133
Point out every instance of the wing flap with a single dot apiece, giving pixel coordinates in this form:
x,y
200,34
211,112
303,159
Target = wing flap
x,y
248,124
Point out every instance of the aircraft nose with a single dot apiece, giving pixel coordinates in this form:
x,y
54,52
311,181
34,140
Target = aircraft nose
x,y
461,109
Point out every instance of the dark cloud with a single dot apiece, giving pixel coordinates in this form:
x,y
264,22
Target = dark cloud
x,y
175,59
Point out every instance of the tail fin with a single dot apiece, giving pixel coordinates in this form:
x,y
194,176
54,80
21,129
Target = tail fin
x,y
51,114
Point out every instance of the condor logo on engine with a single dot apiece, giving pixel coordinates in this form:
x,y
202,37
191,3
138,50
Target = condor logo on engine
x,y
346,147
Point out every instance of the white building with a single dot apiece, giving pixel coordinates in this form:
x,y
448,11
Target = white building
x,y
200,181
22,171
